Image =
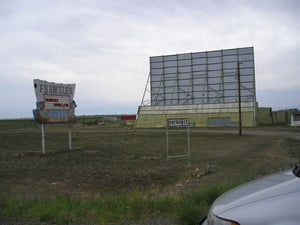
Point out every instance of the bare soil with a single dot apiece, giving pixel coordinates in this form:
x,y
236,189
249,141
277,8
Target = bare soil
x,y
110,160
117,161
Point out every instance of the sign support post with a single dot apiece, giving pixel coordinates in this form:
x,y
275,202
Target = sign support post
x,y
43,138
167,141
70,137
188,146
55,105
179,123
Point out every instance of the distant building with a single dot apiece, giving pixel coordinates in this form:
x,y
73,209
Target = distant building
x,y
295,118
287,117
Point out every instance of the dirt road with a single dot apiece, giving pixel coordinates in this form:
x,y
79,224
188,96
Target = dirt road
x,y
249,131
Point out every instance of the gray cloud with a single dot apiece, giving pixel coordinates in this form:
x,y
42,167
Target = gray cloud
x,y
104,46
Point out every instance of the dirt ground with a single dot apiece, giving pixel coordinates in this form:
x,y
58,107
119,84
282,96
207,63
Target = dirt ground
x,y
116,161
127,160
290,133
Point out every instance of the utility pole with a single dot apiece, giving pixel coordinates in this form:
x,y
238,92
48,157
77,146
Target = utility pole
x,y
239,99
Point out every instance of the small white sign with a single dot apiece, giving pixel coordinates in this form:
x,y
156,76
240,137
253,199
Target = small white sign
x,y
57,102
178,122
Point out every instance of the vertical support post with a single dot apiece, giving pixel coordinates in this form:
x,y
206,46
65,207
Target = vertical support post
x,y
188,146
239,96
167,142
254,111
143,99
43,138
70,137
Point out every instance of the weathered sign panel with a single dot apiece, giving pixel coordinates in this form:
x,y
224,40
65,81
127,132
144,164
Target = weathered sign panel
x,y
55,103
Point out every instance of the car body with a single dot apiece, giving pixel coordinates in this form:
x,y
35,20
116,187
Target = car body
x,y
272,200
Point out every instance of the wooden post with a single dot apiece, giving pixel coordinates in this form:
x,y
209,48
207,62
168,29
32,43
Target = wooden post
x,y
239,96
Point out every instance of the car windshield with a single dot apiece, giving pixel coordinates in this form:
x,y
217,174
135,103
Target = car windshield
x,y
296,170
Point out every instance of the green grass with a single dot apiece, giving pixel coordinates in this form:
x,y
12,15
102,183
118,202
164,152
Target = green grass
x,y
119,175
185,208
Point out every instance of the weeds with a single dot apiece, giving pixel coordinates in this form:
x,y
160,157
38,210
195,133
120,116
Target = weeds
x,y
185,208
121,176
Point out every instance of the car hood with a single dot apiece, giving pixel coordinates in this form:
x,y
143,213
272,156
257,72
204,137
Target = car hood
x,y
258,190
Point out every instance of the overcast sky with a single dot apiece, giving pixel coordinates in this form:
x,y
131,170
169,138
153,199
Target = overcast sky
x,y
104,47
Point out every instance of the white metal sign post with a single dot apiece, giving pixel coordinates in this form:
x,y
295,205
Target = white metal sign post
x,y
178,123
70,137
54,104
43,138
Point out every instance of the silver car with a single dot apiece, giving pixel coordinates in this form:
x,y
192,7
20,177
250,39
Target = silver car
x,y
272,200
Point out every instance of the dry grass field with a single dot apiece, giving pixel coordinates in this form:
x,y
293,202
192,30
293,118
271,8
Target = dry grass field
x,y
115,161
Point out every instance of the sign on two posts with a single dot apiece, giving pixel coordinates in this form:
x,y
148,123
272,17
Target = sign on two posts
x,y
178,123
55,104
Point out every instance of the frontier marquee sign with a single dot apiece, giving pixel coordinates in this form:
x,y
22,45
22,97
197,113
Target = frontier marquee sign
x,y
55,102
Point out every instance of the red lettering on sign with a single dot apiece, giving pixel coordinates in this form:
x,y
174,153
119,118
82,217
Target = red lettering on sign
x,y
51,100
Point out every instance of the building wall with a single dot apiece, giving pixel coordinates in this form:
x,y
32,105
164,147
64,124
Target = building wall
x,y
264,116
216,115
281,117
204,115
